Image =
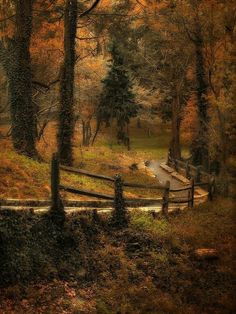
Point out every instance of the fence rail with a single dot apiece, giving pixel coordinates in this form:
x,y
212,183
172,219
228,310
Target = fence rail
x,y
87,173
190,171
195,174
164,201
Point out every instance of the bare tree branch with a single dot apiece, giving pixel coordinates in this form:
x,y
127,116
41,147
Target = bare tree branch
x,y
89,38
7,18
93,6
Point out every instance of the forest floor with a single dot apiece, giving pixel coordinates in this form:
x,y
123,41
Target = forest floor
x,y
148,268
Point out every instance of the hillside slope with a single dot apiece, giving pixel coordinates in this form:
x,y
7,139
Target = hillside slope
x,y
88,267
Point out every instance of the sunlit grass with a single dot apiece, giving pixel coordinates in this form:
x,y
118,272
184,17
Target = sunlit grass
x,y
25,178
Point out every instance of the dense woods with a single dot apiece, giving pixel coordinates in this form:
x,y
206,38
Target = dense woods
x,y
110,86
175,52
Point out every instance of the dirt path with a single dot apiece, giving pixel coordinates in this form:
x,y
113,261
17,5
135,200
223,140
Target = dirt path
x,y
164,176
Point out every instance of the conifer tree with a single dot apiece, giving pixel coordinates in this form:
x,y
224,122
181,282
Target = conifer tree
x,y
117,99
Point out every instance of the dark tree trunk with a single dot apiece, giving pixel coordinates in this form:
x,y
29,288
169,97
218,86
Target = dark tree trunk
x,y
128,138
200,144
23,115
175,151
87,133
139,123
97,130
66,115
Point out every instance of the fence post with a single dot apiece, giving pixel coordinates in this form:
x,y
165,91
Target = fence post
x,y
192,193
211,188
56,206
165,199
119,215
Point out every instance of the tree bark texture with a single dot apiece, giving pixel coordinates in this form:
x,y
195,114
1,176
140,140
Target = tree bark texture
x,y
66,114
200,144
18,68
175,151
87,133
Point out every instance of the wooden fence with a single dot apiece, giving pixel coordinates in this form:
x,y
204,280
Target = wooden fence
x,y
196,173
163,201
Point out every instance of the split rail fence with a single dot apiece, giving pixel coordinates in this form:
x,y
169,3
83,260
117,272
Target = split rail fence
x,y
196,173
164,201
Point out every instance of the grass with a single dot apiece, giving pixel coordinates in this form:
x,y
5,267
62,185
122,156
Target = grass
x,y
25,178
148,267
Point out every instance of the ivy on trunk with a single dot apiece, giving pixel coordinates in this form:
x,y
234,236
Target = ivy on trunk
x,y
17,63
66,114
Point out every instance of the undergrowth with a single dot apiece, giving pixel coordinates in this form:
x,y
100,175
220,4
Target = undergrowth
x,y
88,267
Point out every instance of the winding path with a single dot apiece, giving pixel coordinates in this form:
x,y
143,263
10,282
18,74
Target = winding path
x,y
155,167
162,175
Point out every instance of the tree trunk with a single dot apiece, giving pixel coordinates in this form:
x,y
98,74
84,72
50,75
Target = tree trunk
x,y
200,144
18,68
111,131
139,123
97,130
128,138
175,151
66,115
223,153
83,132
87,134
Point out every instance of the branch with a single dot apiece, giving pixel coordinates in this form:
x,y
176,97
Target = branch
x,y
139,2
40,84
88,38
78,58
82,24
46,86
42,111
90,9
191,38
7,18
112,14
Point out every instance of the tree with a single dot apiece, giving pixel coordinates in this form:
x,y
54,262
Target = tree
x,y
87,93
200,150
66,114
117,98
16,59
161,59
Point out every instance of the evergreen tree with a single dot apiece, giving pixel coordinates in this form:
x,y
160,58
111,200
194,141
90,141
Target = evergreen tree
x,y
117,99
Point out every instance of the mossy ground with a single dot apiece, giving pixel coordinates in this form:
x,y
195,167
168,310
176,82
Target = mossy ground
x,y
146,268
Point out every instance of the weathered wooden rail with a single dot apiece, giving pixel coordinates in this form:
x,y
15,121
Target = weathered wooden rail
x,y
168,199
163,201
196,173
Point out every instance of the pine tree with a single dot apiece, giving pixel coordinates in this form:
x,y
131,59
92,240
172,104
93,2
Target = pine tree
x,y
117,99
